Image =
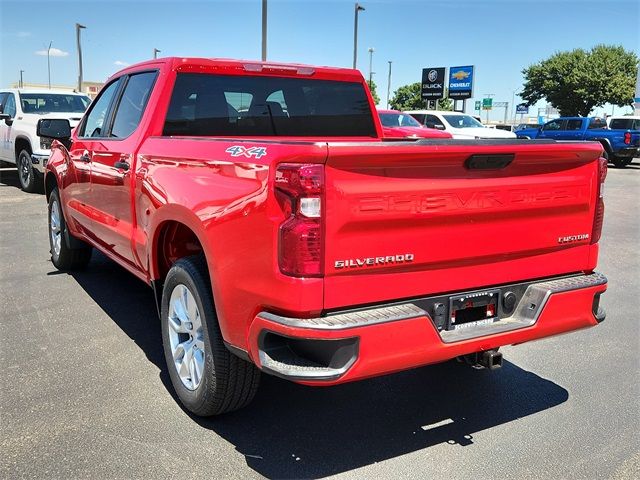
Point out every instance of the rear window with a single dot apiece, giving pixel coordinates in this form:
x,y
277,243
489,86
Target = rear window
x,y
596,123
625,124
222,105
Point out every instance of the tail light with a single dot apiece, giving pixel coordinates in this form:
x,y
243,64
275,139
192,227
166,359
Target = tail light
x,y
627,138
300,193
599,215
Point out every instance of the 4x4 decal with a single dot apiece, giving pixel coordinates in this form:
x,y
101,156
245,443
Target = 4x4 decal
x,y
238,150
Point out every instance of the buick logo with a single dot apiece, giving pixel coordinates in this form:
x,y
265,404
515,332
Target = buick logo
x,y
433,75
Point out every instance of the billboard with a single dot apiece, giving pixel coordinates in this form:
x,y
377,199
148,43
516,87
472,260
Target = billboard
x,y
433,83
522,108
461,82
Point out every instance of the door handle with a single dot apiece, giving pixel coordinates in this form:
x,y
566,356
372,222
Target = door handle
x,y
121,166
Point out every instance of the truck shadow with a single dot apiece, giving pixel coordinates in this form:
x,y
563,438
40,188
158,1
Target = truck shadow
x,y
292,431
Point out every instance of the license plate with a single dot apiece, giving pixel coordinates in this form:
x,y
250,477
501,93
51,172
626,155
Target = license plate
x,y
472,310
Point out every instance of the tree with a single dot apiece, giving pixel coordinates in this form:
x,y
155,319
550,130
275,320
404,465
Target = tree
x,y
576,82
374,91
409,97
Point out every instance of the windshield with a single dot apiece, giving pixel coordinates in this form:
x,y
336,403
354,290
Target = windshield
x,y
53,102
462,121
625,124
398,120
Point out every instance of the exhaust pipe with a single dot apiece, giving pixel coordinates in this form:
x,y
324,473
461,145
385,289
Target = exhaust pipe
x,y
491,359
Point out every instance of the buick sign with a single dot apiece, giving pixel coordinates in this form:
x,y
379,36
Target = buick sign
x,y
433,83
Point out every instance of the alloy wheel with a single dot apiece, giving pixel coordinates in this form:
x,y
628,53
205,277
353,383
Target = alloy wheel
x,y
186,336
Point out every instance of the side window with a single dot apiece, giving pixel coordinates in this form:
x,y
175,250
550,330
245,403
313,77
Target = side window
x,y
132,104
10,105
3,99
95,121
420,117
575,124
432,121
555,125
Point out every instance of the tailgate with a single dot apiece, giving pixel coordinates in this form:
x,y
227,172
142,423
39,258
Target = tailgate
x,y
431,217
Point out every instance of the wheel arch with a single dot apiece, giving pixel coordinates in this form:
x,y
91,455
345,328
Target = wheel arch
x,y
21,142
606,144
50,182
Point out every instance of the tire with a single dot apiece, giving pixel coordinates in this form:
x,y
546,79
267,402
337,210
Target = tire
x,y
63,256
208,379
30,179
618,162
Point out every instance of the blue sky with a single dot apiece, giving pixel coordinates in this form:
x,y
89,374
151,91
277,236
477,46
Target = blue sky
x,y
499,37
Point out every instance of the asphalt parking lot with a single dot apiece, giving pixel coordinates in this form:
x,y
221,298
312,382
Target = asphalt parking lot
x,y
84,392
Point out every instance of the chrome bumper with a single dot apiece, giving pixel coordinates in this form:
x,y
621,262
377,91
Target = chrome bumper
x,y
39,161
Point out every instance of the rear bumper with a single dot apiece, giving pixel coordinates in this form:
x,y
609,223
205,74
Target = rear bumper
x,y
352,345
628,152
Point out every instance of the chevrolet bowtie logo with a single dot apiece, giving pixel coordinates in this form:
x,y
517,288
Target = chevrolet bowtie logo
x,y
460,75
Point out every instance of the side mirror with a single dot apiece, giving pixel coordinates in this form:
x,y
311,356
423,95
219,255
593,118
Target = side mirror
x,y
58,129
7,118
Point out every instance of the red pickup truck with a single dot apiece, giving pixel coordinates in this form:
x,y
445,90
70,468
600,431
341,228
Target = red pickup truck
x,y
281,234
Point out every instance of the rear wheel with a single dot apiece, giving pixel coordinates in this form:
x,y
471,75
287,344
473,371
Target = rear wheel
x,y
63,256
619,162
208,379
30,179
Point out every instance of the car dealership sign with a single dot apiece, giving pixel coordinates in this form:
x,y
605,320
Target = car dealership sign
x,y
433,83
461,82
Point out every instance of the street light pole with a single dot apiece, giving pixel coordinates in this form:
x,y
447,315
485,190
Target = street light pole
x,y
371,50
49,63
264,30
78,28
359,8
155,53
21,82
388,84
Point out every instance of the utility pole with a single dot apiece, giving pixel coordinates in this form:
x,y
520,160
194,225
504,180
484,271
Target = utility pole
x,y
21,82
155,53
264,30
359,8
513,107
388,84
49,63
78,28
371,50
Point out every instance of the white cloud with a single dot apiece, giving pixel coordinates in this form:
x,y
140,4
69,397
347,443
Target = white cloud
x,y
23,34
120,63
54,52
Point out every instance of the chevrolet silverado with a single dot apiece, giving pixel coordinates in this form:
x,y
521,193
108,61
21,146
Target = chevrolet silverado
x,y
281,234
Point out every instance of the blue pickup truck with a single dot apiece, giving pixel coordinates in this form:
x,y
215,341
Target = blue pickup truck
x,y
620,145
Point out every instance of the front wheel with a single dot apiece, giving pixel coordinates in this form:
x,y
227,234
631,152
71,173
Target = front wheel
x,y
30,179
208,379
63,256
